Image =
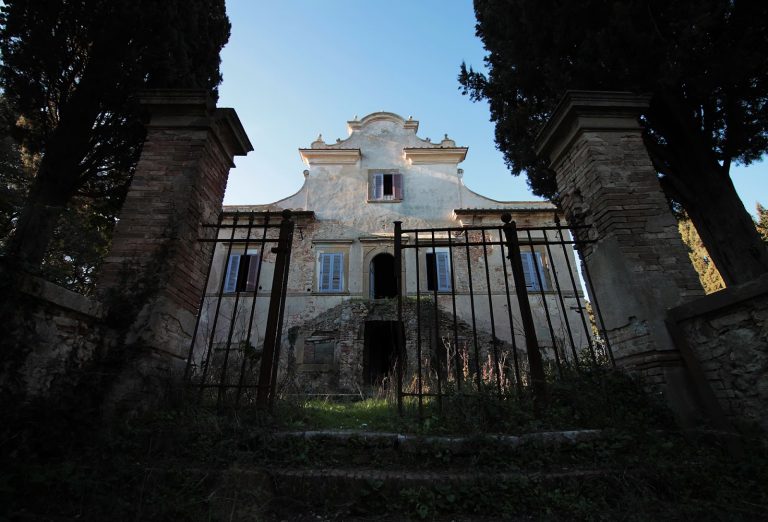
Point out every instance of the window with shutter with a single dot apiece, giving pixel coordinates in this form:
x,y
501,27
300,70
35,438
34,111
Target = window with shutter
x,y
529,271
242,272
330,272
386,186
438,271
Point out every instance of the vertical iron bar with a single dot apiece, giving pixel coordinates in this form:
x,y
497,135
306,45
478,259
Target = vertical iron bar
x,y
455,319
531,343
270,336
490,312
220,395
218,303
581,311
540,279
518,382
286,244
595,305
436,338
478,378
418,327
400,340
202,301
556,279
253,307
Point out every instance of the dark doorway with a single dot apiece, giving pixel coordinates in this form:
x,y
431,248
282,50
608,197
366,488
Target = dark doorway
x,y
380,351
383,277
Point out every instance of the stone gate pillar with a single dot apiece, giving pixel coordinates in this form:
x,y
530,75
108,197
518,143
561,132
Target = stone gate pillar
x,y
154,275
639,264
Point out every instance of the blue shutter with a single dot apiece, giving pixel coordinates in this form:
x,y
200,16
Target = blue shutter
x,y
230,280
337,272
378,186
443,272
324,277
529,270
331,272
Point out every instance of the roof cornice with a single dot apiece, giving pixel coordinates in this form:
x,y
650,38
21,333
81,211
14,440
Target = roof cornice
x,y
433,155
330,156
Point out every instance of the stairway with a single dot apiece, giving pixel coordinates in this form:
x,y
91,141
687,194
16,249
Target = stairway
x,y
352,475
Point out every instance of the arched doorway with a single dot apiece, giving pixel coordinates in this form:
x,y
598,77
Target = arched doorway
x,y
382,277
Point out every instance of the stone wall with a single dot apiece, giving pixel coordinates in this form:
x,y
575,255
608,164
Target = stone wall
x,y
56,340
726,333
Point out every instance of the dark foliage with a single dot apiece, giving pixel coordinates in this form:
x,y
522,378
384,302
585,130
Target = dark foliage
x,y
704,64
14,181
70,73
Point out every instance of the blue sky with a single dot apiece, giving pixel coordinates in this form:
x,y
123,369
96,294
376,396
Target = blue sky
x,y
297,68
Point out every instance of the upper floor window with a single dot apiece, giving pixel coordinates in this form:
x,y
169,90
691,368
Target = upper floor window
x,y
385,186
242,272
530,265
439,271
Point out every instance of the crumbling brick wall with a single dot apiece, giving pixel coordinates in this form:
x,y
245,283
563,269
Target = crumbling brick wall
x,y
345,323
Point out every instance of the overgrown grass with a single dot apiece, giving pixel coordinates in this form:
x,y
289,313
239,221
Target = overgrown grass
x,y
593,399
323,414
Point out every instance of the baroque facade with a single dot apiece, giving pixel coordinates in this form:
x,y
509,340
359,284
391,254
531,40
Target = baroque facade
x,y
339,308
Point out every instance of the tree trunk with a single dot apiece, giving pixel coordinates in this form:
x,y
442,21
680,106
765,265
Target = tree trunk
x,y
705,190
29,242
57,179
725,227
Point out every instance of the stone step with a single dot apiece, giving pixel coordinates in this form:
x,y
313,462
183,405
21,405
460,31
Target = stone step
x,y
342,493
407,442
544,451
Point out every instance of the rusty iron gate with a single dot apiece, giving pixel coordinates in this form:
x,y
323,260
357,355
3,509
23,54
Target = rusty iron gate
x,y
494,309
230,360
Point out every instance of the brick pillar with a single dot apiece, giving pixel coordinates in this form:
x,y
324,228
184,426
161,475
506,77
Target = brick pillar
x,y
153,277
639,264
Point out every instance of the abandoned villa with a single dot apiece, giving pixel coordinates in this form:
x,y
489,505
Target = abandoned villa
x,y
339,293
385,271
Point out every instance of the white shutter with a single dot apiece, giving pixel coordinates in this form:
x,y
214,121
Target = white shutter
x,y
230,280
378,186
253,272
443,272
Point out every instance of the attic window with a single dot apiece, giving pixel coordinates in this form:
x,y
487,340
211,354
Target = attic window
x,y
385,186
